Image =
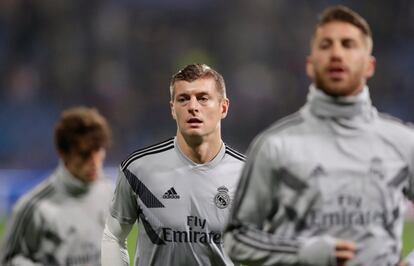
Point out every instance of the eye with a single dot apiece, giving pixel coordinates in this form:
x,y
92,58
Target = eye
x,y
203,99
324,44
181,99
349,43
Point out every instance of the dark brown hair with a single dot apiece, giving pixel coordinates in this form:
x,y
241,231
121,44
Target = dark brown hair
x,y
193,72
81,124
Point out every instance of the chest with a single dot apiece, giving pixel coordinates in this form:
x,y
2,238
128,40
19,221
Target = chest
x,y
346,172
72,230
191,198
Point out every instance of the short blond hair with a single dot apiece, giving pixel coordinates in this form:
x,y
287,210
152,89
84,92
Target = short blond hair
x,y
193,72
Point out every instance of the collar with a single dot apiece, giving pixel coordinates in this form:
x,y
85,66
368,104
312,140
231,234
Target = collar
x,y
197,166
68,182
347,107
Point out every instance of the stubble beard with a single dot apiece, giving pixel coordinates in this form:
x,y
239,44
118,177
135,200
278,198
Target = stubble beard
x,y
338,90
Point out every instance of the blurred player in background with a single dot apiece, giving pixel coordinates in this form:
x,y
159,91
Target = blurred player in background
x,y
325,185
60,222
179,190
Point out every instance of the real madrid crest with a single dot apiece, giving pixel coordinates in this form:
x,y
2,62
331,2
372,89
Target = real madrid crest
x,y
222,198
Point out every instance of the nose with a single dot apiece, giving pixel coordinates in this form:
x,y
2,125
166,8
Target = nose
x,y
337,52
193,105
96,158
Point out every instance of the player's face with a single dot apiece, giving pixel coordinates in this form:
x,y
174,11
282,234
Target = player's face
x,y
85,165
198,107
340,61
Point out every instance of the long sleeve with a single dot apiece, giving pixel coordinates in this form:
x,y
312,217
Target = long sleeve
x,y
410,259
258,233
114,250
20,245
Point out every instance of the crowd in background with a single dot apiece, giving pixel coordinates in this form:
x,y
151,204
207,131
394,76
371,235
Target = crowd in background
x,y
119,56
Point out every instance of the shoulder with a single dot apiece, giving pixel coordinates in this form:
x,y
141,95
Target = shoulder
x,y
30,201
104,185
286,126
392,125
393,121
151,150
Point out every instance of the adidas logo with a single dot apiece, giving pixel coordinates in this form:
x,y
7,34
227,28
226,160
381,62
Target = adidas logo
x,y
171,194
318,171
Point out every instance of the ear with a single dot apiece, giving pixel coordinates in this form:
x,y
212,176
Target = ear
x,y
173,110
310,71
224,107
370,70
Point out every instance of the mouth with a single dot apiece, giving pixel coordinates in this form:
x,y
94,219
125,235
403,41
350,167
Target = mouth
x,y
337,72
194,122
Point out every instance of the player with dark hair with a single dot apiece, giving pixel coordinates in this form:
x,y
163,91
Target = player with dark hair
x,y
326,185
179,190
60,222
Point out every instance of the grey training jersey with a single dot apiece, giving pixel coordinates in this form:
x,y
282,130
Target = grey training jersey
x,y
333,169
181,207
60,222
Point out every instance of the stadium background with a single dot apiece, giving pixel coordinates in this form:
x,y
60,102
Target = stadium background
x,y
119,56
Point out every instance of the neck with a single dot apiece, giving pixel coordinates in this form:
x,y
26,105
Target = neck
x,y
198,149
324,105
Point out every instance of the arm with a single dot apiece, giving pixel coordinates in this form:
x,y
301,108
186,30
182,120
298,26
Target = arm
x,y
258,215
124,213
114,251
409,260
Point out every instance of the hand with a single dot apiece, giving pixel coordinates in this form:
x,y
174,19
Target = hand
x,y
402,263
344,251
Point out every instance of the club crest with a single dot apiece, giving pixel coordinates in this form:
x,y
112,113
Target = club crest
x,y
222,198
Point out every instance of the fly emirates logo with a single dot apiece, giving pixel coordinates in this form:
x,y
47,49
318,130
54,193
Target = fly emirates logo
x,y
349,211
196,233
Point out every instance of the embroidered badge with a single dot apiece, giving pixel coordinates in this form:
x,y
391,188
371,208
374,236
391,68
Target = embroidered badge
x,y
222,198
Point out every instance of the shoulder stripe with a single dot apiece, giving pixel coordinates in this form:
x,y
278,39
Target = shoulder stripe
x,y
22,219
234,151
146,196
238,157
126,163
149,148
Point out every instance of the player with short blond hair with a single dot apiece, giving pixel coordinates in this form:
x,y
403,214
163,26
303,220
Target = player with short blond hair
x,y
179,191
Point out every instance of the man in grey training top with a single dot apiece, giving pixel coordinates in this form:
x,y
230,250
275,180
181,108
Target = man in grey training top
x,y
326,185
179,190
60,222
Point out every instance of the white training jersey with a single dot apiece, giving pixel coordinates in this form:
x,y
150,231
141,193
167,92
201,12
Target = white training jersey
x,y
181,207
336,169
58,223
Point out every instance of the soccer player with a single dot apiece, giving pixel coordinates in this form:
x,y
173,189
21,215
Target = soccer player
x,y
324,186
60,222
179,190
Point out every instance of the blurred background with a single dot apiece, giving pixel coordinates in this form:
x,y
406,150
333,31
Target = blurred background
x,y
119,56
